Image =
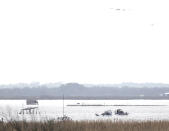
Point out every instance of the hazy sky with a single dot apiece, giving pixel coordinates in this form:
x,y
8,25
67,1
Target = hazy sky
x,y
86,41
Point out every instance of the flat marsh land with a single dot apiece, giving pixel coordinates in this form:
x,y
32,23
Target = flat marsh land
x,y
84,126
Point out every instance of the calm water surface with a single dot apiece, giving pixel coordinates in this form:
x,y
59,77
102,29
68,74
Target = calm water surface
x,y
51,109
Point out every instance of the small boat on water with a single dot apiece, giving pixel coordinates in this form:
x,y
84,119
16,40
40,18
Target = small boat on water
x,y
120,112
107,113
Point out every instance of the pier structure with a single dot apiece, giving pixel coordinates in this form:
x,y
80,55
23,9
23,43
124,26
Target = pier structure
x,y
29,110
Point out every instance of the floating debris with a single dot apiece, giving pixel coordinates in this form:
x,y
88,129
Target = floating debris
x,y
64,118
118,9
107,113
97,114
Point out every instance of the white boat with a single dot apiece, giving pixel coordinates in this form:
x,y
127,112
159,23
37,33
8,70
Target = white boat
x,y
120,112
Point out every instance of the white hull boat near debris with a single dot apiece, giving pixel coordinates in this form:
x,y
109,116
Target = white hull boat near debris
x,y
120,112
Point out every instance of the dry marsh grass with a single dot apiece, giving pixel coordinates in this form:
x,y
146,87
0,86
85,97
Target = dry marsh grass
x,y
52,125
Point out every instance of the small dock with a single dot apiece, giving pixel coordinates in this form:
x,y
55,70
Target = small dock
x,y
29,110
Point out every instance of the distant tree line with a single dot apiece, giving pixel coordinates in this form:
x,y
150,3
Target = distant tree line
x,y
79,91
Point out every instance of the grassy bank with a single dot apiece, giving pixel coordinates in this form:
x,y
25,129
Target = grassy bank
x,y
85,126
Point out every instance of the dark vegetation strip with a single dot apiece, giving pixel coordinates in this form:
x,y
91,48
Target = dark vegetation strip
x,y
85,126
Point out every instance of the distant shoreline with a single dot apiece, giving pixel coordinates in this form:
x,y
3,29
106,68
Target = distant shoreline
x,y
114,105
85,98
75,91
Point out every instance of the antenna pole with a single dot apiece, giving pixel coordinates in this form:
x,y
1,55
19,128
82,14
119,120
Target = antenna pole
x,y
63,105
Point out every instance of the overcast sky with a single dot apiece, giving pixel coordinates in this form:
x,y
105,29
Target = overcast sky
x,y
85,41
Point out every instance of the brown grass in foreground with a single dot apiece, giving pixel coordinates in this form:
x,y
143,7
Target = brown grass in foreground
x,y
85,126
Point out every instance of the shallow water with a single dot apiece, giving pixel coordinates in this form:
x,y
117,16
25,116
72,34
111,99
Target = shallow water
x,y
51,109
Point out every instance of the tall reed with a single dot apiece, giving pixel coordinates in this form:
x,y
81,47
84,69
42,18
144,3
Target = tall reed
x,y
52,125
